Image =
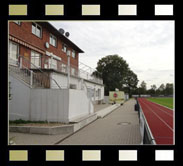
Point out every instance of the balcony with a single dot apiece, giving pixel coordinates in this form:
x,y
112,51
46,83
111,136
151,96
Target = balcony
x,y
80,71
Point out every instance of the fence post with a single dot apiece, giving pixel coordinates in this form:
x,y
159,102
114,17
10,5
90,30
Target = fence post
x,y
31,78
20,62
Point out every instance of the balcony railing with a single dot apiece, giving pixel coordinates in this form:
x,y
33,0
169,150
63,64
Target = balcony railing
x,y
81,71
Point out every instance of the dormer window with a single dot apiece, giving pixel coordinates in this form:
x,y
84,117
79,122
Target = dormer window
x,y
36,30
53,40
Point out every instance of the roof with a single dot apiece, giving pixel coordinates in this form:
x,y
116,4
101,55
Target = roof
x,y
53,30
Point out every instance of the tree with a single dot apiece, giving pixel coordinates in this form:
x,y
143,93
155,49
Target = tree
x,y
153,89
115,73
169,89
162,87
143,88
130,82
160,90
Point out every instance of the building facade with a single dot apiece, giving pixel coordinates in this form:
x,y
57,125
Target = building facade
x,y
48,82
39,45
42,44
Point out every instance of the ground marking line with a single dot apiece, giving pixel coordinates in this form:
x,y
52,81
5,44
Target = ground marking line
x,y
161,109
160,118
162,105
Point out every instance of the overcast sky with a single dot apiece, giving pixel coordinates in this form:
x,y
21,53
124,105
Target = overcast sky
x,y
147,46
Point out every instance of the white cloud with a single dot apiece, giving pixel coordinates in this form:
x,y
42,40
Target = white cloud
x,y
143,44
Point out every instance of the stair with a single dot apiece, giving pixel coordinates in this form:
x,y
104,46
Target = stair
x,y
25,76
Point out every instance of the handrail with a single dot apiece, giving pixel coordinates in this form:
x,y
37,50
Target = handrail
x,y
27,60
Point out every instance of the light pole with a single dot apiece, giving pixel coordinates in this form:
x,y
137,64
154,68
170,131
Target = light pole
x,y
68,69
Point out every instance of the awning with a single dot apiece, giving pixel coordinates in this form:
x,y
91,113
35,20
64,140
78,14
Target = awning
x,y
25,44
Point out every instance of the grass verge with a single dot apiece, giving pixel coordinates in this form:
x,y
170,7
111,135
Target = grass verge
x,y
168,102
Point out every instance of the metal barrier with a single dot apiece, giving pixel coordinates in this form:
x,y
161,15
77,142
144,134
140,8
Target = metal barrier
x,y
145,131
22,69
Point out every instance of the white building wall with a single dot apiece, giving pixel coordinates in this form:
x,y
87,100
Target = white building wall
x,y
61,79
96,87
79,104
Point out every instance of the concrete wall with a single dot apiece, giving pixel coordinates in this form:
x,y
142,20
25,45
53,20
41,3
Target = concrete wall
x,y
19,105
52,105
49,104
79,104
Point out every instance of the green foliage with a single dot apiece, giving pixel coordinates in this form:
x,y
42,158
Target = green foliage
x,y
168,102
115,73
154,91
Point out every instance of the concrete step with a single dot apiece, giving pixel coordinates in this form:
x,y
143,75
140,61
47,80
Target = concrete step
x,y
82,122
63,129
104,112
77,120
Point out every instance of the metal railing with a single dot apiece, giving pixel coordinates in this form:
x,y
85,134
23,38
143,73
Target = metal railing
x,y
86,72
38,78
81,71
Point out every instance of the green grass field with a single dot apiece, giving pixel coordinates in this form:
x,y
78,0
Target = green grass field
x,y
168,102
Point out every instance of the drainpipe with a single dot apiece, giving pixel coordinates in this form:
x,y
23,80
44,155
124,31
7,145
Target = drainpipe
x,y
31,78
20,62
68,69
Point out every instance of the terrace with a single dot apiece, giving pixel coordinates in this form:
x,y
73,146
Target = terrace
x,y
53,64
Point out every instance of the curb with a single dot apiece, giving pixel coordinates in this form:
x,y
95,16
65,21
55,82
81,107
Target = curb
x,y
104,112
65,129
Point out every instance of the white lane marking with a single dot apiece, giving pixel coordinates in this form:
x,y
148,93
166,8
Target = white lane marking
x,y
159,117
160,108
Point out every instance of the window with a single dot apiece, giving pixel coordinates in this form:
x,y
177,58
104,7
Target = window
x,y
13,52
53,64
64,48
17,22
64,68
73,54
35,59
53,40
73,70
36,30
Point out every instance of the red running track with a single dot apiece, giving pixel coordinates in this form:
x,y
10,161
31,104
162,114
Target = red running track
x,y
160,121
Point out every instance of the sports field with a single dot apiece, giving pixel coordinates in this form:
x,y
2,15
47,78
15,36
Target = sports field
x,y
160,120
166,101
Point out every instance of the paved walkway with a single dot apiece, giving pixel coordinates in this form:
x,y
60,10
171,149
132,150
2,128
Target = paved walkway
x,y
35,139
118,128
